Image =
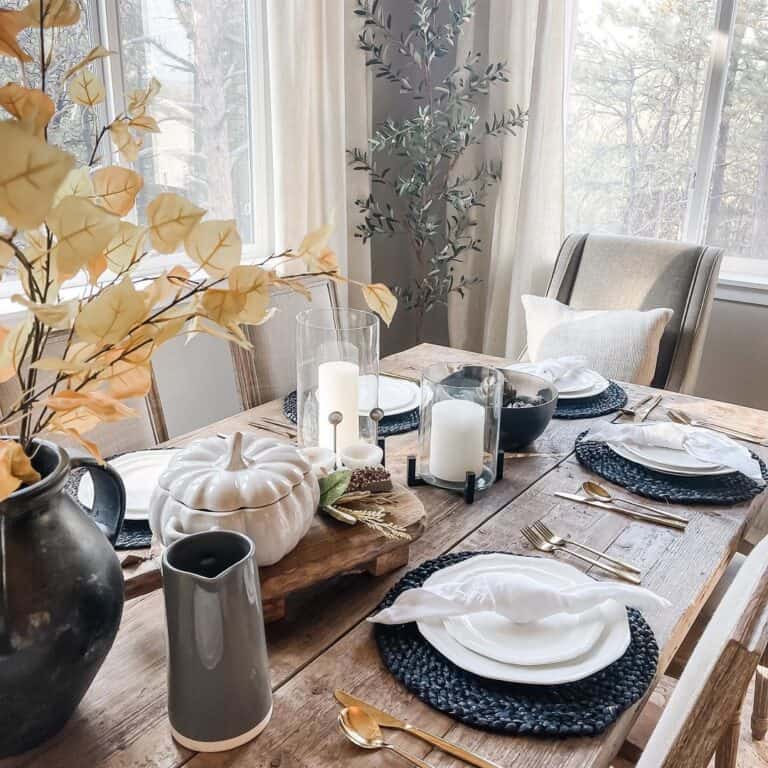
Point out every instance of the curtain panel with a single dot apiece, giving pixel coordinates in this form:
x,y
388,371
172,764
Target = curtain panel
x,y
522,225
320,106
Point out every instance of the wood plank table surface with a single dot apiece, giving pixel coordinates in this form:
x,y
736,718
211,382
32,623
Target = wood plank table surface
x,y
325,643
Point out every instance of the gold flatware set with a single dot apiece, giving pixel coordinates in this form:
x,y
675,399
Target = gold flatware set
x,y
361,723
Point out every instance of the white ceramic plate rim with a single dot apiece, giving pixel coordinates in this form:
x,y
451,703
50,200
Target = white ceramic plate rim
x,y
599,387
413,403
675,459
121,464
612,644
626,453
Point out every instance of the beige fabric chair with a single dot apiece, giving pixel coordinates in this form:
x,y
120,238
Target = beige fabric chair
x,y
268,371
148,428
614,272
701,717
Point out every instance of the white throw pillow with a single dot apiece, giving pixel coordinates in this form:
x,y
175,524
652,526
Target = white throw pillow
x,y
621,344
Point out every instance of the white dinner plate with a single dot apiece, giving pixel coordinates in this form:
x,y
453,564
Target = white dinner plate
x,y
609,645
140,471
395,395
669,461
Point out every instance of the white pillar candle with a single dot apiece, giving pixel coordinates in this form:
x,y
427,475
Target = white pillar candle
x,y
338,390
456,440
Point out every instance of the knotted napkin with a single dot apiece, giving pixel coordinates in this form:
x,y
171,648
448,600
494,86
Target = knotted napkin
x,y
555,369
515,596
702,444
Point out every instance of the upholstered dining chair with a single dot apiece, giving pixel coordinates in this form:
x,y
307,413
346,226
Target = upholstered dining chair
x,y
702,715
615,272
268,370
148,428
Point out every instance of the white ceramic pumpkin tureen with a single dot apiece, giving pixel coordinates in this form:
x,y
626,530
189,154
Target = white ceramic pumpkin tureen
x,y
258,486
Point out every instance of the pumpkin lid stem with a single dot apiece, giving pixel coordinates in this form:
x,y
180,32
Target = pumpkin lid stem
x,y
235,457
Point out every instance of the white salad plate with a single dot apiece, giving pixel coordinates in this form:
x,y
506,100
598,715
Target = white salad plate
x,y
668,460
558,650
395,395
140,471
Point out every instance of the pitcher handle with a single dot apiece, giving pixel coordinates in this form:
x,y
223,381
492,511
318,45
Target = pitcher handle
x,y
108,495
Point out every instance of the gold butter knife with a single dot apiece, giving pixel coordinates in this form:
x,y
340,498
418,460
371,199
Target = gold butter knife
x,y
386,720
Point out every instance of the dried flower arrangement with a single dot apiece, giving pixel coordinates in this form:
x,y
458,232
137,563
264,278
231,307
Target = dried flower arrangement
x,y
58,221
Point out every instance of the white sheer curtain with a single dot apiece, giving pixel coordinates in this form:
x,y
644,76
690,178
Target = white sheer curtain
x,y
522,226
319,107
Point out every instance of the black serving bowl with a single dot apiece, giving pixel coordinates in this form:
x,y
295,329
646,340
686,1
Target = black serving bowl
x,y
536,400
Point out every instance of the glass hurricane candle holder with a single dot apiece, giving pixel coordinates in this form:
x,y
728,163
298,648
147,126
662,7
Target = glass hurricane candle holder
x,y
459,425
337,366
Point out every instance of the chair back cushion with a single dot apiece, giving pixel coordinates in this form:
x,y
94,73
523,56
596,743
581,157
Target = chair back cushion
x,y
620,344
616,272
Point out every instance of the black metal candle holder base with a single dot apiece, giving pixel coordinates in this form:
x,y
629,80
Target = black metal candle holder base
x,y
470,484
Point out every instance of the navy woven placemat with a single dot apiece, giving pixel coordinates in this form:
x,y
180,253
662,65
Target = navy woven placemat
x,y
395,424
712,489
583,708
608,401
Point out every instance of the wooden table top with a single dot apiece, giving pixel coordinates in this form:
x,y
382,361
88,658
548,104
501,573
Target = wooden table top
x,y
325,643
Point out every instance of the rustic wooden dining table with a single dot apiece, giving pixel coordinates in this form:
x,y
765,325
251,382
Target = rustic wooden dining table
x,y
325,643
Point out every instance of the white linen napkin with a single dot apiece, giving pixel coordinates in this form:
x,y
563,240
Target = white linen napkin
x,y
515,596
702,444
554,369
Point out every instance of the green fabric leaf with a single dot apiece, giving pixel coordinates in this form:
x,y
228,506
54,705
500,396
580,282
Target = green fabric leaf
x,y
334,486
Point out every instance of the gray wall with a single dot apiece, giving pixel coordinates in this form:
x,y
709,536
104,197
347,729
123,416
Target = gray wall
x,y
734,367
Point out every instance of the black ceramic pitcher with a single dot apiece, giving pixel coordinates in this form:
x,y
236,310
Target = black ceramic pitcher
x,y
61,595
219,693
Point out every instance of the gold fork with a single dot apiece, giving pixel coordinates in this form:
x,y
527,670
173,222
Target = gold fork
x,y
540,543
559,541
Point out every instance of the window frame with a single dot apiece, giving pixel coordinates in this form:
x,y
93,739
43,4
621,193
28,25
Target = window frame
x,y
104,26
741,279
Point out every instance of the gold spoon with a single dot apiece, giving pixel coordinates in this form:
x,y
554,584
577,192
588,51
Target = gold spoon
x,y
363,731
597,492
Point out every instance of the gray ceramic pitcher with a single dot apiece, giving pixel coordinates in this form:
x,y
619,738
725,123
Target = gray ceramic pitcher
x,y
219,693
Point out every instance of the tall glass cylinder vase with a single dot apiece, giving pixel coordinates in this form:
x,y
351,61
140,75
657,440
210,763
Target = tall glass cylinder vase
x,y
459,425
337,366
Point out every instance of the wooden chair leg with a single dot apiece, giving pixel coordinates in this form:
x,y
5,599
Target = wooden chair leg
x,y
760,705
728,748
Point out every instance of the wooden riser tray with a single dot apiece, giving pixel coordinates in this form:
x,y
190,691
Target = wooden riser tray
x,y
329,549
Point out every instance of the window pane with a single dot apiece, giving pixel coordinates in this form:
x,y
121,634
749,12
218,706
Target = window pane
x,y
738,206
72,127
633,115
197,50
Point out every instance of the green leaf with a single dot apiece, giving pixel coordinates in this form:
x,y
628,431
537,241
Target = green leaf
x,y
334,486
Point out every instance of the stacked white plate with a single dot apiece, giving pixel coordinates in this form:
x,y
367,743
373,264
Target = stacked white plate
x,y
395,395
668,460
556,650
140,471
583,383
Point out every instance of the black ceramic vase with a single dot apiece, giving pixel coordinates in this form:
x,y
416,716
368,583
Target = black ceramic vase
x,y
61,596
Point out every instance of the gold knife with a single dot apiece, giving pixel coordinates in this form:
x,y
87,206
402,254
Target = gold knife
x,y
647,516
641,416
388,721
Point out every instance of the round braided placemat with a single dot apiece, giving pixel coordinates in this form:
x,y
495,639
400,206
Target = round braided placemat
x,y
583,708
395,424
711,489
608,401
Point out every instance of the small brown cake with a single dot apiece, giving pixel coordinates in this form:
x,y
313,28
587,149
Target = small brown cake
x,y
373,479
